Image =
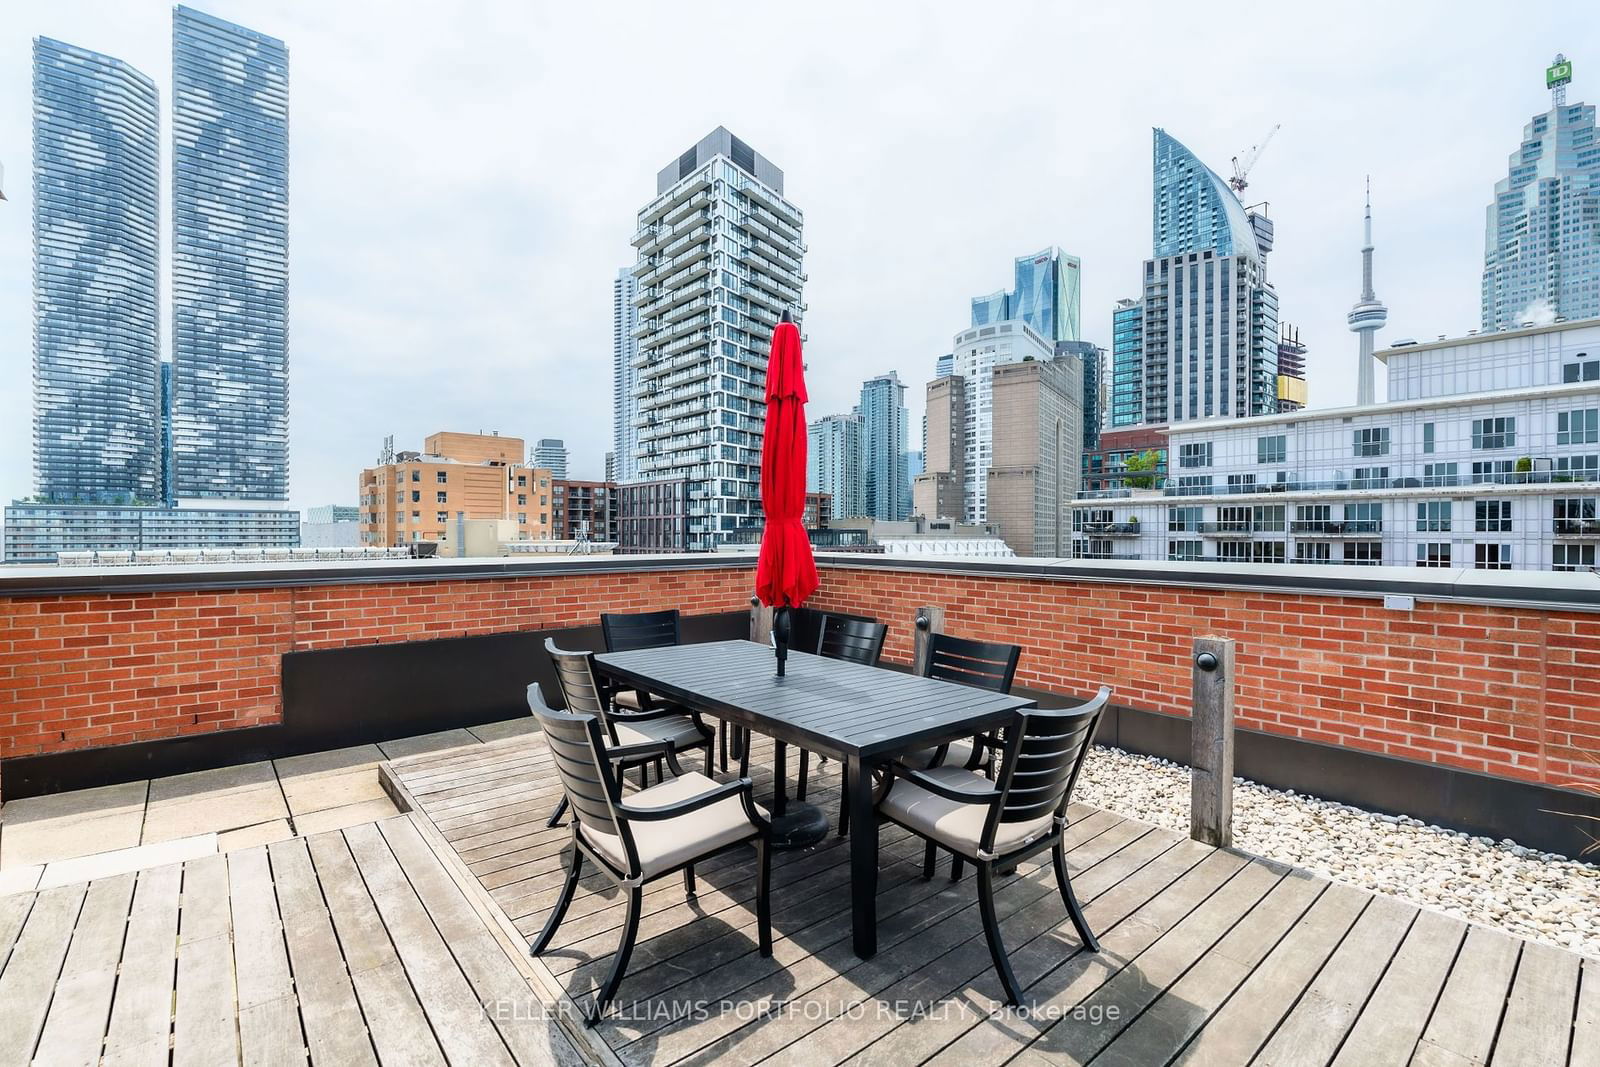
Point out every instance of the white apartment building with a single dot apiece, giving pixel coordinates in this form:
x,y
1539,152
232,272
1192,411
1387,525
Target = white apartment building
x,y
976,353
720,255
1487,455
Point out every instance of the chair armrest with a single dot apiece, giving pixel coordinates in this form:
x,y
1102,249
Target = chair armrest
x,y
683,807
642,749
937,788
629,715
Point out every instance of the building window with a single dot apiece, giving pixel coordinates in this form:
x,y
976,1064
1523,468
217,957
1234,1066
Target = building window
x,y
1440,474
1576,515
1434,554
1433,516
441,477
1273,449
1184,520
1370,478
1195,454
1427,437
1572,558
1313,552
1498,432
441,516
1184,549
1578,468
416,476
1266,552
522,518
1194,484
1363,518
1492,516
416,497
1586,371
1491,557
1233,552
522,481
522,498
1372,441
1581,427
1364,553
1267,518
1241,483
1492,470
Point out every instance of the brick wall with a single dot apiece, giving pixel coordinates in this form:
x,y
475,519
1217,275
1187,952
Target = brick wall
x,y
1507,691
83,671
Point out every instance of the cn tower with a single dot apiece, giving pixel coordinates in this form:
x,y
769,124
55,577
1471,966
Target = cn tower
x,y
1368,316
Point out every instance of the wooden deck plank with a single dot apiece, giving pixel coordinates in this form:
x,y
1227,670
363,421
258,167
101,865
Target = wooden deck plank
x,y
1164,1028
1389,1028
205,1026
14,910
1245,1021
1467,1017
75,1028
1312,1031
1586,1023
335,1030
1537,1028
503,990
458,1020
397,1024
141,1012
30,976
269,1022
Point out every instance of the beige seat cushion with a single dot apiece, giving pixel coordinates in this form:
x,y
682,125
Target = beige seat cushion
x,y
629,699
956,755
666,844
953,824
679,729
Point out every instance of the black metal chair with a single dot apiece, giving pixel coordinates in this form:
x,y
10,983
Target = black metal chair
x,y
996,824
856,640
980,664
648,629
649,834
583,694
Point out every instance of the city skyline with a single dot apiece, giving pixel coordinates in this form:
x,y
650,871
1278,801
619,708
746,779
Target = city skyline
x,y
474,290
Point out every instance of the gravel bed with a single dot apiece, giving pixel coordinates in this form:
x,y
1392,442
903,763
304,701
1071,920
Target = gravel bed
x,y
1520,890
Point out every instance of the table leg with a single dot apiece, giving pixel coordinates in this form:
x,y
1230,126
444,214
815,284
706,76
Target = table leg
x,y
780,777
863,860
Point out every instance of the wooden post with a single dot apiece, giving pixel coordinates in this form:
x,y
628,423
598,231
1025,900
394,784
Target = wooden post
x,y
760,622
1211,743
926,623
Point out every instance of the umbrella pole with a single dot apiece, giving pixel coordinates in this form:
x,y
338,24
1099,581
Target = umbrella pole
x,y
781,633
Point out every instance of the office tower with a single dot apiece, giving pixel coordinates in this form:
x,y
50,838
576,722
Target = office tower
x,y
1541,260
624,376
96,343
1127,363
885,482
939,491
834,460
720,256
945,365
1367,317
1208,346
1092,410
230,260
550,453
914,463
978,351
1046,296
1034,471
1292,392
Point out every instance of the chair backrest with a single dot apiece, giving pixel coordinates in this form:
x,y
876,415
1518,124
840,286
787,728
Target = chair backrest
x,y
856,640
980,664
1039,764
580,691
591,786
649,629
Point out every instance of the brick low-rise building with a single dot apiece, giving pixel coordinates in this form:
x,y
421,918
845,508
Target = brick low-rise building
x,y
457,477
583,510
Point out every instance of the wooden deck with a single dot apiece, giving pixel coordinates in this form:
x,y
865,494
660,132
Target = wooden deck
x,y
1209,956
349,947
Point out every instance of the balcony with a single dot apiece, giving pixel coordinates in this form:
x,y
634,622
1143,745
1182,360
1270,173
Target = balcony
x,y
396,926
1577,529
1335,528
1108,529
1232,528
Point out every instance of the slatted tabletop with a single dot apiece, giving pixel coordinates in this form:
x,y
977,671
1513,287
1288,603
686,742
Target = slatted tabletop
x,y
830,705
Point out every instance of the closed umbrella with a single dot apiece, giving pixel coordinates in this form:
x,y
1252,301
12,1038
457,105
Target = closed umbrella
x,y
786,573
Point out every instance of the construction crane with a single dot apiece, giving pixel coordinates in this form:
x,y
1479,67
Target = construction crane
x,y
1241,168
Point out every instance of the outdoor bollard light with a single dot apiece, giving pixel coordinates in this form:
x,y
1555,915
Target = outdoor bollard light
x,y
1206,661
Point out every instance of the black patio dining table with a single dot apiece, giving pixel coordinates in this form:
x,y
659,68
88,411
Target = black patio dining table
x,y
860,715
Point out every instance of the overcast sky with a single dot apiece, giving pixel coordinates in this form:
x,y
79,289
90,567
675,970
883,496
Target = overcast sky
x,y
465,177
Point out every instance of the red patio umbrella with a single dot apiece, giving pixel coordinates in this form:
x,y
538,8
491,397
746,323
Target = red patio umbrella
x,y
786,573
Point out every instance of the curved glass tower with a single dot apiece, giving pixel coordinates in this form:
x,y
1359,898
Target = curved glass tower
x,y
1193,210
96,345
230,260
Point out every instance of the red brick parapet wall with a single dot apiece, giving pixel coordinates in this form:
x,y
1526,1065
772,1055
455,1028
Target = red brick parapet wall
x,y
1509,690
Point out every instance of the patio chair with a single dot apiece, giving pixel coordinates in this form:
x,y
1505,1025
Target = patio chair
x,y
583,694
859,641
980,664
650,834
996,824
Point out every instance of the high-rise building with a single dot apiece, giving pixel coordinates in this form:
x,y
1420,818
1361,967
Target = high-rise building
x,y
624,376
945,365
230,260
1292,391
550,453
1366,318
1541,260
1046,296
885,483
1208,345
96,344
835,455
1093,358
1127,363
720,256
1034,472
939,492
978,351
